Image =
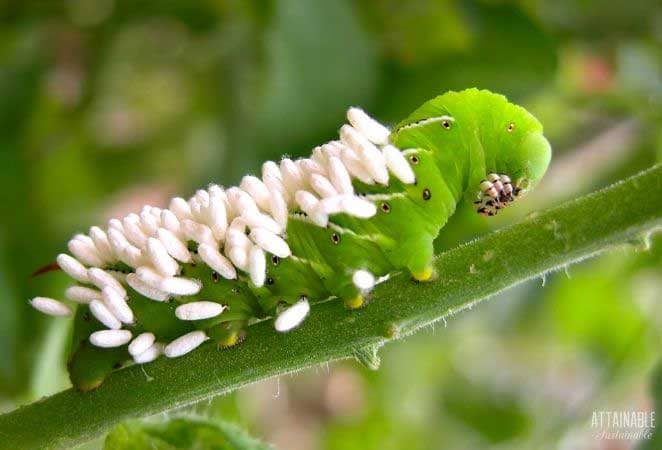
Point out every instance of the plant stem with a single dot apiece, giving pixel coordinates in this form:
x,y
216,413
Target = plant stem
x,y
626,212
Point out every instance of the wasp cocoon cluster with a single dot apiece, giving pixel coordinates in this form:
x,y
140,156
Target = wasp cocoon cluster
x,y
165,280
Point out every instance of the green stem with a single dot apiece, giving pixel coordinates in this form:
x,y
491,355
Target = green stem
x,y
626,212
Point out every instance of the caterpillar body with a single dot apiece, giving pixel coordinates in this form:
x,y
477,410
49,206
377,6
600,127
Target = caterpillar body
x,y
166,280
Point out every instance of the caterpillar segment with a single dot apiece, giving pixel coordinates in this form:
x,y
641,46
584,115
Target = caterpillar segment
x,y
164,281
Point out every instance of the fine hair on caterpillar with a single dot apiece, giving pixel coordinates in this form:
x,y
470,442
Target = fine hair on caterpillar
x,y
163,281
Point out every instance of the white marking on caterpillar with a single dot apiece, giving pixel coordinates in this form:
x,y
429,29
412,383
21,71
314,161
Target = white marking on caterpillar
x,y
103,315
117,305
363,279
384,197
72,267
150,354
427,121
110,338
51,307
293,316
82,294
185,343
198,310
141,343
382,278
369,127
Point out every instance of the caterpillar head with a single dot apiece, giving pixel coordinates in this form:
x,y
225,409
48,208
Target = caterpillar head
x,y
490,149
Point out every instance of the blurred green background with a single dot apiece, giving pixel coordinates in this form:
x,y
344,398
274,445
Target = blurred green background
x,y
106,105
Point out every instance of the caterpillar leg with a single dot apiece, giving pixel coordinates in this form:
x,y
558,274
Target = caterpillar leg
x,y
228,334
426,274
355,302
421,254
89,366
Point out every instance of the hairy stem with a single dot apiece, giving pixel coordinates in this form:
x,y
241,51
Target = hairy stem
x,y
624,213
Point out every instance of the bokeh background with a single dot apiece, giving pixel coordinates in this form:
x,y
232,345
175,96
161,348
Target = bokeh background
x,y
106,105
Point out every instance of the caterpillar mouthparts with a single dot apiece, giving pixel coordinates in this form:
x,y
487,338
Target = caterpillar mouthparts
x,y
497,192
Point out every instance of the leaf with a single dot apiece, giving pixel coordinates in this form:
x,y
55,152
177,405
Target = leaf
x,y
420,31
310,63
181,433
509,53
495,416
543,242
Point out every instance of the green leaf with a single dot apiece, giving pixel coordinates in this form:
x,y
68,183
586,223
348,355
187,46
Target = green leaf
x,y
309,64
181,433
509,52
543,242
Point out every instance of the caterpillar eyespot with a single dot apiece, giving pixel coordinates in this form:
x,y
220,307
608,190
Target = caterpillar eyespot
x,y
511,127
166,280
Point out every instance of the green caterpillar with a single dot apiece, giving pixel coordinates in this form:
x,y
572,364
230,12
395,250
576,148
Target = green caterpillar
x,y
166,280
